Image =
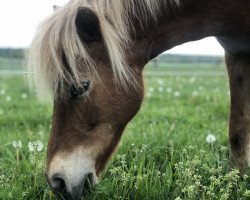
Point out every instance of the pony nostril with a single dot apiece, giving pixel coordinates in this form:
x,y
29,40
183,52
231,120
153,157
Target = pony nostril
x,y
58,185
71,190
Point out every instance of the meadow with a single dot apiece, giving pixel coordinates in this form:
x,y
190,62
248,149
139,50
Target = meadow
x,y
163,154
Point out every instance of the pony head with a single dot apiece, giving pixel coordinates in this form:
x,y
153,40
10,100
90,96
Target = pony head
x,y
87,55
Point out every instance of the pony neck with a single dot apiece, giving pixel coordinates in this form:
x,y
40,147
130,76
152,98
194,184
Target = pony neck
x,y
194,20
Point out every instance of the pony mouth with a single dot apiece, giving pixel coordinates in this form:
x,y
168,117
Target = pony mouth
x,y
89,183
63,190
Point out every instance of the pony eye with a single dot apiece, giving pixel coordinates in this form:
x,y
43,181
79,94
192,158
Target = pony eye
x,y
77,91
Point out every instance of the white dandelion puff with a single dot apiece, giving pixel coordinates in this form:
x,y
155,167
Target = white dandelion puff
x,y
36,146
17,144
210,138
192,80
195,94
24,96
149,94
177,94
160,89
160,81
151,89
2,92
8,98
169,89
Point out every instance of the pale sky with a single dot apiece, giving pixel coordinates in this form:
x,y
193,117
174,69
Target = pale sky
x,y
19,19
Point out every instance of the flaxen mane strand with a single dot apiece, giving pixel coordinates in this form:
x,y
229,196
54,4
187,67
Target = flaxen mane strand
x,y
57,35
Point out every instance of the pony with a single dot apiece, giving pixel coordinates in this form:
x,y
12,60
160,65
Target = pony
x,y
89,55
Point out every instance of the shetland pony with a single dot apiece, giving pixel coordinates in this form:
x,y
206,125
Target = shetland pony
x,y
90,55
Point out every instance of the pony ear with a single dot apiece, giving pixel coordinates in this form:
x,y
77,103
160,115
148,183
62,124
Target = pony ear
x,y
88,25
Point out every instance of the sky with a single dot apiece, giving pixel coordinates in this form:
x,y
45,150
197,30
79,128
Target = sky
x,y
19,19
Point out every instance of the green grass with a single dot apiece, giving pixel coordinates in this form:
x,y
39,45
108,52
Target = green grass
x,y
163,153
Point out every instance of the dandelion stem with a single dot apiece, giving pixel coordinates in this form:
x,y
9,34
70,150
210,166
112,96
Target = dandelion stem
x,y
17,159
36,167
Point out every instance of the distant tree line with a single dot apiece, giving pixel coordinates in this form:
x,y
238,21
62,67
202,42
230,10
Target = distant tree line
x,y
173,58
12,53
163,58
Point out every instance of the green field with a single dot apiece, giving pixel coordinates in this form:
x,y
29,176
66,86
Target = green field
x,y
163,153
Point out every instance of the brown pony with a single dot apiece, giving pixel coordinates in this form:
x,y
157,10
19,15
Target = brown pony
x,y
90,55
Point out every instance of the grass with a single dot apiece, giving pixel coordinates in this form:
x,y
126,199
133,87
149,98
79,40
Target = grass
x,y
163,153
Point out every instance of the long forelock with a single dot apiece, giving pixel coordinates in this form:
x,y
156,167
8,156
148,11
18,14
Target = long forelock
x,y
57,35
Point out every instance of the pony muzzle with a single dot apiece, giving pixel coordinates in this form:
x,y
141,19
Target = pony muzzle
x,y
71,176
65,190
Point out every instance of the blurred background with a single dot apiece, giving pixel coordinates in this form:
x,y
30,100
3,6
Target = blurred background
x,y
19,19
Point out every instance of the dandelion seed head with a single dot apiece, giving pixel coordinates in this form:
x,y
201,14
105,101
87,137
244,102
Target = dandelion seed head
x,y
151,89
149,94
8,98
2,92
35,146
169,89
177,94
24,96
17,144
192,80
160,81
195,93
210,138
160,89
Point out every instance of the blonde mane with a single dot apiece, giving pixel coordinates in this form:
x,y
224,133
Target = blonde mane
x,y
57,35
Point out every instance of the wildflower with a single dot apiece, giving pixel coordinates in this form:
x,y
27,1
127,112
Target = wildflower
x,y
36,146
210,138
149,94
247,193
2,92
24,96
216,90
160,81
160,89
17,144
8,98
192,80
151,89
195,93
177,94
51,194
169,89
